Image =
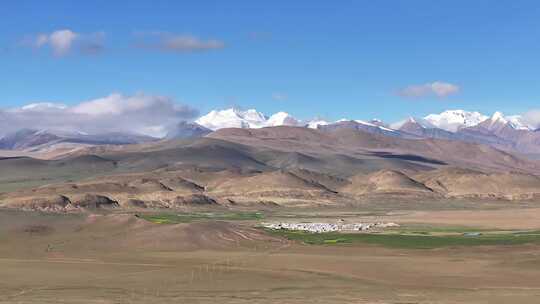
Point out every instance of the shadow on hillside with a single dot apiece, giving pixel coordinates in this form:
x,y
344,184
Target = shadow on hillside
x,y
409,157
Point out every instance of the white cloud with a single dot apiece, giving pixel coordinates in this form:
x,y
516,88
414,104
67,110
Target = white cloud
x,y
437,89
140,113
532,118
62,42
177,43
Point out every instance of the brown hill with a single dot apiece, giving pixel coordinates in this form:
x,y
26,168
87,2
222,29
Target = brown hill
x,y
368,147
456,182
277,187
329,181
385,182
283,165
156,190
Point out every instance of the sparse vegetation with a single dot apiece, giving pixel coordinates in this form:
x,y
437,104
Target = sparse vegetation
x,y
176,218
160,263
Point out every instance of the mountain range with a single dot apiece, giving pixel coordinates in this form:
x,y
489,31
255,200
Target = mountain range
x,y
507,133
273,166
235,157
510,133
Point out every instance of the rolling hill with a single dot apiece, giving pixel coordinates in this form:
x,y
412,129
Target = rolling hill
x,y
285,166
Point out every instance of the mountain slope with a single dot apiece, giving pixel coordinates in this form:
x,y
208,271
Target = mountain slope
x,y
274,165
385,182
505,132
35,140
361,125
186,130
359,144
458,182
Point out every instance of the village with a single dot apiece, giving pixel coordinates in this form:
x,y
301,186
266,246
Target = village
x,y
330,227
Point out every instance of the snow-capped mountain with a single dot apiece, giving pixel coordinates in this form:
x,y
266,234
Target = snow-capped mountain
x,y
412,121
315,123
504,132
498,130
421,128
518,123
232,118
378,122
375,123
450,120
453,120
282,119
456,120
498,121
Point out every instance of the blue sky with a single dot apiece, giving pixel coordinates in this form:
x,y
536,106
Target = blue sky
x,y
335,59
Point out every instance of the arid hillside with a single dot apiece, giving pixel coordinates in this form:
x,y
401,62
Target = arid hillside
x,y
278,166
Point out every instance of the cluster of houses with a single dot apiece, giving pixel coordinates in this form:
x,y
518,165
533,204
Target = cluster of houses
x,y
329,227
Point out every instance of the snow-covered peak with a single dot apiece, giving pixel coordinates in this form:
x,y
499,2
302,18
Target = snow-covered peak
x,y
453,120
423,123
378,122
252,115
375,125
498,117
516,121
362,122
281,119
411,120
232,118
315,123
399,124
498,120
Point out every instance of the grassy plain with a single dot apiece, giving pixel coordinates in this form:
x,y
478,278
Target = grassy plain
x,y
119,258
176,218
413,240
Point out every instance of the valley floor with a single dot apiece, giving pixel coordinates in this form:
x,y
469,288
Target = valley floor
x,y
118,258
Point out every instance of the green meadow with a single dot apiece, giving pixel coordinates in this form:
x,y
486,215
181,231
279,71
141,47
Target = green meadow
x,y
416,240
176,218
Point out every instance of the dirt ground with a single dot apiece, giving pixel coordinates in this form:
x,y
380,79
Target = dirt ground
x,y
511,218
121,259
